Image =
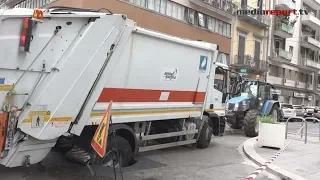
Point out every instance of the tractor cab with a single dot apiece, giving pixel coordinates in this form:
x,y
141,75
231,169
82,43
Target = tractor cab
x,y
250,98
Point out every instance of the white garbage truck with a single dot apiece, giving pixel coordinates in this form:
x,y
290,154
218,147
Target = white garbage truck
x,y
61,67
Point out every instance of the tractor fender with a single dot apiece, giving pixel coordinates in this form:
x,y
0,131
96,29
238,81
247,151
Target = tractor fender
x,y
216,122
267,107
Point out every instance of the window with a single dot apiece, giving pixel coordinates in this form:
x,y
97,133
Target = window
x,y
175,10
191,16
169,8
220,27
150,4
201,20
223,58
225,29
219,80
209,23
229,30
157,5
291,49
163,6
137,2
217,26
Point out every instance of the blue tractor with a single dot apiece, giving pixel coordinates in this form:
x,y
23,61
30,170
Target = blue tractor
x,y
250,98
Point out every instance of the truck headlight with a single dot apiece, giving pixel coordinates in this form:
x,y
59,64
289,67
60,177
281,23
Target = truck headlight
x,y
236,106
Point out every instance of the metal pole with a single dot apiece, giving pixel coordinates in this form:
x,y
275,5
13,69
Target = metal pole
x,y
287,129
302,125
306,132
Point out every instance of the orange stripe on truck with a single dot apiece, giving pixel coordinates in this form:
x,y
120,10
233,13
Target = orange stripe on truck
x,y
148,95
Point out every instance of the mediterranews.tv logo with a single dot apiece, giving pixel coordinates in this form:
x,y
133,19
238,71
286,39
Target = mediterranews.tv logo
x,y
272,12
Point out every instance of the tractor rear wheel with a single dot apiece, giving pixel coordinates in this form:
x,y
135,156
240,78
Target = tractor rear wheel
x,y
251,125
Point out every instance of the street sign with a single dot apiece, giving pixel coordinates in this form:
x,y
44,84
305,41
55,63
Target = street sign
x,y
99,140
243,71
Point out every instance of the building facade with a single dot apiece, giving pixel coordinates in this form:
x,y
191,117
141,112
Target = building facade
x,y
294,53
203,20
249,40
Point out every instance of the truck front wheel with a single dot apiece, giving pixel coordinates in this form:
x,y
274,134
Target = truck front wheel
x,y
251,125
205,134
118,153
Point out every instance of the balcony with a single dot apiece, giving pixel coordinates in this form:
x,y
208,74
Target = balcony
x,y
311,43
284,4
258,20
315,4
283,30
311,63
223,7
275,80
281,54
311,20
247,61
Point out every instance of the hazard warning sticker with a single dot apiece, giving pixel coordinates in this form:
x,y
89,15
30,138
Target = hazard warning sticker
x,y
37,121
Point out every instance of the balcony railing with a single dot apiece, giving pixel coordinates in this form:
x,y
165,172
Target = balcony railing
x,y
258,17
223,5
310,42
288,3
283,54
250,62
311,20
284,27
311,63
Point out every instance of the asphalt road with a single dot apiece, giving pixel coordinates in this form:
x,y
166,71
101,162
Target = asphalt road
x,y
222,160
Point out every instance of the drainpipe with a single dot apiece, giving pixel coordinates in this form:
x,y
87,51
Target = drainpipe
x,y
267,49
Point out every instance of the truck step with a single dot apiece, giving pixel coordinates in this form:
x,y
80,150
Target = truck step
x,y
162,146
166,135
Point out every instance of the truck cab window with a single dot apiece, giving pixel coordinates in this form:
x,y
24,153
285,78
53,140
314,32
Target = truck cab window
x,y
219,80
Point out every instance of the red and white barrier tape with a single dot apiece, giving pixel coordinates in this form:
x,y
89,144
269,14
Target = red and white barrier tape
x,y
263,167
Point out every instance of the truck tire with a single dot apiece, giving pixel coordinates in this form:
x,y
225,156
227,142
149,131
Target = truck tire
x,y
251,123
205,134
116,144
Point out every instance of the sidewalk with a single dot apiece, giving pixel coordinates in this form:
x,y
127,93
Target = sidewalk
x,y
298,161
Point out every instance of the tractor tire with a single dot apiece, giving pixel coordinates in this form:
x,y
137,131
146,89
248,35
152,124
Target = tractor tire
x,y
251,123
205,134
275,113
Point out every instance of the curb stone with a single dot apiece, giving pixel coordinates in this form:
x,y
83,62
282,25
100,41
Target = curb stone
x,y
248,148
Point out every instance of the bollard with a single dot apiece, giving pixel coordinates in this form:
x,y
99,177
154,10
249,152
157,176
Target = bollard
x,y
302,125
287,129
306,132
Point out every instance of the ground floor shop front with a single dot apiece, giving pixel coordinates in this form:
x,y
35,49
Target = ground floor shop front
x,y
296,97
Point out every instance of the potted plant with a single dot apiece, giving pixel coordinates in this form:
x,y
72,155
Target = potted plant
x,y
271,133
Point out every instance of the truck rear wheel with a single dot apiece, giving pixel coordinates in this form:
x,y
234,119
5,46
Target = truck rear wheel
x,y
205,134
116,146
251,125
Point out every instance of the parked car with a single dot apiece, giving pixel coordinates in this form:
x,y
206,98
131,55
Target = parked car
x,y
309,111
300,110
287,110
